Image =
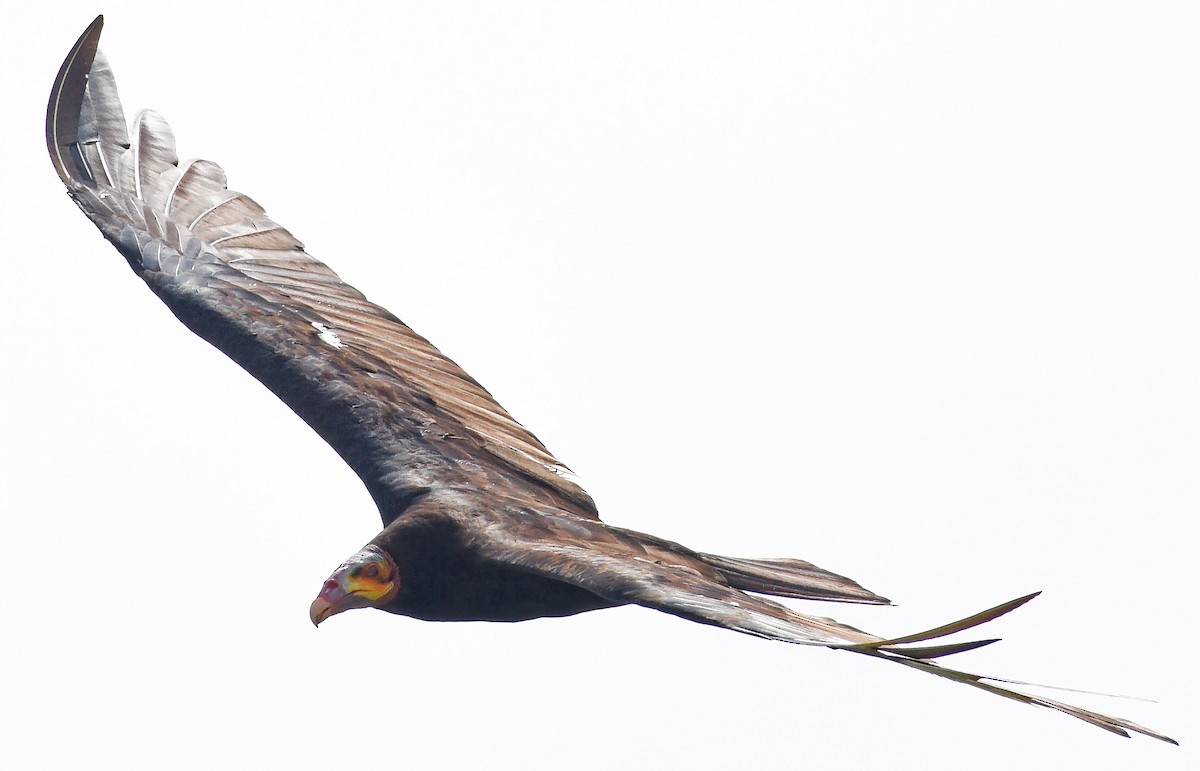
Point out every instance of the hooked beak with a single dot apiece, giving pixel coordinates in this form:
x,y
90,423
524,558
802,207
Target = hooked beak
x,y
332,600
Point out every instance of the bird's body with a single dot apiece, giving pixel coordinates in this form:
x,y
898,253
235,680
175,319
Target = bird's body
x,y
481,522
443,579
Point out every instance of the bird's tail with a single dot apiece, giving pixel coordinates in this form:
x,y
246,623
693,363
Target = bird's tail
x,y
792,578
781,577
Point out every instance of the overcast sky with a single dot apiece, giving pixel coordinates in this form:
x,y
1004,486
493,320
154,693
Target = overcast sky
x,y
907,290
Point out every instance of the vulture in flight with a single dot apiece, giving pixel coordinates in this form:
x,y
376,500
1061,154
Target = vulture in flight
x,y
480,521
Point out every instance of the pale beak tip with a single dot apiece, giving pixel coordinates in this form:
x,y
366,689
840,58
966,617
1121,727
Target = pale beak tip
x,y
319,611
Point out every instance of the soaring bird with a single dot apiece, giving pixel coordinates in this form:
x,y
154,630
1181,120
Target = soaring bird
x,y
480,521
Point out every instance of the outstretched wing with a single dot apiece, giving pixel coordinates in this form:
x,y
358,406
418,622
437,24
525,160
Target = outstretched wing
x,y
620,570
404,416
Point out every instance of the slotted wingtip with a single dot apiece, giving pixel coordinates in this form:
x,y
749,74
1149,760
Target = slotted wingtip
x,y
982,617
920,658
66,97
939,651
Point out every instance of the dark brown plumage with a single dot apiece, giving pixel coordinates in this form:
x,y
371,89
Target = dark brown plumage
x,y
480,521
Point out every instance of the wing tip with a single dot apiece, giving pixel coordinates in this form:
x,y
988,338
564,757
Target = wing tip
x,y
66,96
919,658
983,617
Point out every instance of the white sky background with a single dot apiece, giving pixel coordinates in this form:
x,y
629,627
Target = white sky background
x,y
908,290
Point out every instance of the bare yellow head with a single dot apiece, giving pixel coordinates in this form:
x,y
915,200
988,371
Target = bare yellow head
x,y
368,579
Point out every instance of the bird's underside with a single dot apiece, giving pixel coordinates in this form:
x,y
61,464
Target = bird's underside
x,y
480,521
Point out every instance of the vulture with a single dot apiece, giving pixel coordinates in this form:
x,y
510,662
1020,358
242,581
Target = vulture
x,y
480,521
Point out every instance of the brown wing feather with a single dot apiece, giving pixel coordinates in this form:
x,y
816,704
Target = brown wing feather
x,y
619,570
402,414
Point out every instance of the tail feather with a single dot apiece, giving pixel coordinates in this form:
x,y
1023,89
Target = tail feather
x,y
792,578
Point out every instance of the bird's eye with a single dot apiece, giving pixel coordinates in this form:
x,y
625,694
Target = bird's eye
x,y
372,571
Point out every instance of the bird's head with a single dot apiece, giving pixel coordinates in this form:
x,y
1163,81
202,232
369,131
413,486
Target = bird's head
x,y
369,579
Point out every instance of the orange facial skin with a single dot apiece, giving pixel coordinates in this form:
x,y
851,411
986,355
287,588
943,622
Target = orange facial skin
x,y
367,579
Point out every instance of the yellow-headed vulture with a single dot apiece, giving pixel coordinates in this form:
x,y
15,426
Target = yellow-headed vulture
x,y
480,521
